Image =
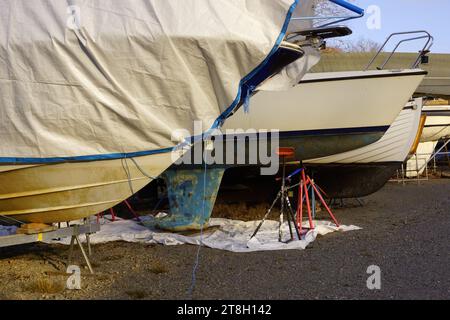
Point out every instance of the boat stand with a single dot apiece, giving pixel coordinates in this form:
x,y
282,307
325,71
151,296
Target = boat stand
x,y
283,196
306,185
71,231
114,215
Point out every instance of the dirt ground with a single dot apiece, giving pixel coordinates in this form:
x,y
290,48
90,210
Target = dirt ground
x,y
406,232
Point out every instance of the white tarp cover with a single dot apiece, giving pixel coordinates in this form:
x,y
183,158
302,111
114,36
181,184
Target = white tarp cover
x,y
224,234
101,78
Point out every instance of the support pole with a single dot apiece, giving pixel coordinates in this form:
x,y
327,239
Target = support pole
x,y
313,201
136,216
305,184
324,203
308,205
72,242
300,205
266,215
113,215
88,242
86,258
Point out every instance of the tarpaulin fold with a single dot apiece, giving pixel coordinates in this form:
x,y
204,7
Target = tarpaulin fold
x,y
106,78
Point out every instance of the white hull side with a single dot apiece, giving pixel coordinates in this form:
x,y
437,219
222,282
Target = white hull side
x,y
71,191
436,128
356,100
394,146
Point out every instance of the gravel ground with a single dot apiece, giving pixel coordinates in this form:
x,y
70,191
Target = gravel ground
x,y
406,233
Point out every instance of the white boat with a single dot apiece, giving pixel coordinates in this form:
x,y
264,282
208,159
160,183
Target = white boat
x,y
437,127
89,100
342,131
344,111
331,113
394,146
365,170
416,165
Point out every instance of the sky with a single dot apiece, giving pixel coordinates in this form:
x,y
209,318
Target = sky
x,y
405,15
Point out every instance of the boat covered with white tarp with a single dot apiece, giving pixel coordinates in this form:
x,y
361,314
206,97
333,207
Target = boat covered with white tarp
x,y
91,92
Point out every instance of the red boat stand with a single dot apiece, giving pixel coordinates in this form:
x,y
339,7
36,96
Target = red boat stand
x,y
113,214
305,183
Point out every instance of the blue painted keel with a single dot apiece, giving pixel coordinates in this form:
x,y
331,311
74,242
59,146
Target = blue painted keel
x,y
191,202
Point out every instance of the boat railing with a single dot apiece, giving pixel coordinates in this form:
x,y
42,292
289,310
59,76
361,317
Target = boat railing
x,y
330,20
420,34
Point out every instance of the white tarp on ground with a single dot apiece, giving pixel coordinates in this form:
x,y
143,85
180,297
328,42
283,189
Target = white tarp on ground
x,y
103,78
223,234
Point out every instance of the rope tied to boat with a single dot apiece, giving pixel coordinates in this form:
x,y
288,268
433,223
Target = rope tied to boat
x,y
142,170
127,170
197,258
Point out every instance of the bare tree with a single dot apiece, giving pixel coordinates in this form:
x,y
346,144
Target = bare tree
x,y
361,45
327,8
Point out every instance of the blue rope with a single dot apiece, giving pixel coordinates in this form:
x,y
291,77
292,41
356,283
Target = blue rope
x,y
197,259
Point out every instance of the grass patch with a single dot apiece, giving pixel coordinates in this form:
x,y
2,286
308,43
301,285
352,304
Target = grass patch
x,y
158,268
47,286
137,294
243,211
112,258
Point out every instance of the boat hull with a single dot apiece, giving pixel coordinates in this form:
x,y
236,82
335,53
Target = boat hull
x,y
71,191
355,173
417,164
328,109
437,125
307,145
341,181
364,171
394,146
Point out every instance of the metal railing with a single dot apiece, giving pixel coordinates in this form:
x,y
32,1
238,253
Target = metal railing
x,y
405,175
420,168
425,50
